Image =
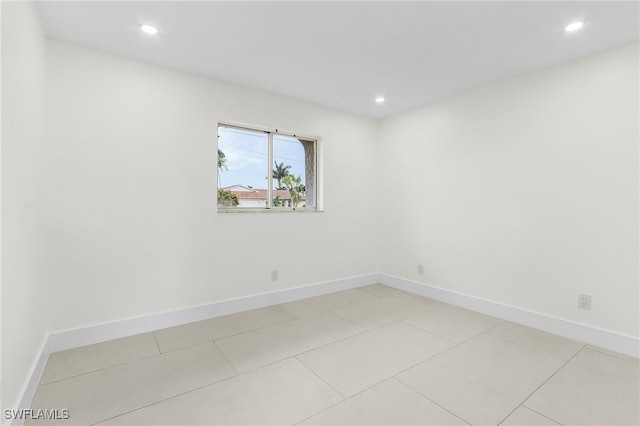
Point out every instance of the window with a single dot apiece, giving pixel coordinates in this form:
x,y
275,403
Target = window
x,y
265,170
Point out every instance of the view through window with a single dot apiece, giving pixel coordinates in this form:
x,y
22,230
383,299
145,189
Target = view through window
x,y
265,170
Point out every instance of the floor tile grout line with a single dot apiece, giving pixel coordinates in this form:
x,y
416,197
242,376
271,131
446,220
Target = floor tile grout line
x,y
443,305
633,360
346,319
500,322
224,356
523,406
584,347
342,339
210,338
386,378
431,333
530,348
542,384
385,324
296,354
424,312
160,354
281,305
487,332
348,398
100,369
269,326
379,298
322,310
344,398
429,399
270,363
307,367
165,399
360,391
330,311
216,382
127,412
291,313
376,295
244,332
170,397
456,343
320,347
431,357
531,409
364,331
395,376
320,377
157,344
187,347
293,318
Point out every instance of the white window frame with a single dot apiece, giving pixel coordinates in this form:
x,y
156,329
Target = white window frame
x,y
270,134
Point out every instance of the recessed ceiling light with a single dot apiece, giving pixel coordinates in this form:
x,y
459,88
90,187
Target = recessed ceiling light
x,y
380,99
149,29
574,26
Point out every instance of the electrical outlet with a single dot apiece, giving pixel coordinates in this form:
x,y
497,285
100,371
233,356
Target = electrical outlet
x,y
274,275
420,269
584,302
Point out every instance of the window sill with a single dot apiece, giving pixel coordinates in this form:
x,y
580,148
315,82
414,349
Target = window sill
x,y
268,211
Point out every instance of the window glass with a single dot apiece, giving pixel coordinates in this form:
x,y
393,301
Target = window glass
x,y
242,164
250,162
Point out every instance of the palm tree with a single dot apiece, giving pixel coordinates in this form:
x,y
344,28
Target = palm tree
x,y
294,185
280,172
222,160
222,163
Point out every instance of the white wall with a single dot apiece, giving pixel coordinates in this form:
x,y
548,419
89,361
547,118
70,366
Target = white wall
x,y
130,193
524,192
24,291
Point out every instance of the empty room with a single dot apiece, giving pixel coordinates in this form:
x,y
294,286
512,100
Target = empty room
x,y
320,213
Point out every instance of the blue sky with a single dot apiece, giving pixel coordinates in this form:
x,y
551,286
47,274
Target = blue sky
x,y
246,154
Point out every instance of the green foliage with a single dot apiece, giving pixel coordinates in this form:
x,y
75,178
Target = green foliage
x,y
296,189
222,165
227,199
280,172
222,161
278,202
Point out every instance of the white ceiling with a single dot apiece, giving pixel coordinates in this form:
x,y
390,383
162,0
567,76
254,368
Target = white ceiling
x,y
344,54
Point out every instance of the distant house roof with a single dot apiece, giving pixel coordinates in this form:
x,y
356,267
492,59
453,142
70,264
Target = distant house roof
x,y
238,188
244,192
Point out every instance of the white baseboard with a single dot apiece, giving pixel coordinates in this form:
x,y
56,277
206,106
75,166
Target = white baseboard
x,y
627,345
69,339
74,338
28,391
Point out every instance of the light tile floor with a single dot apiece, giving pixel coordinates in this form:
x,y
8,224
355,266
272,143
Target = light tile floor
x,y
368,356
